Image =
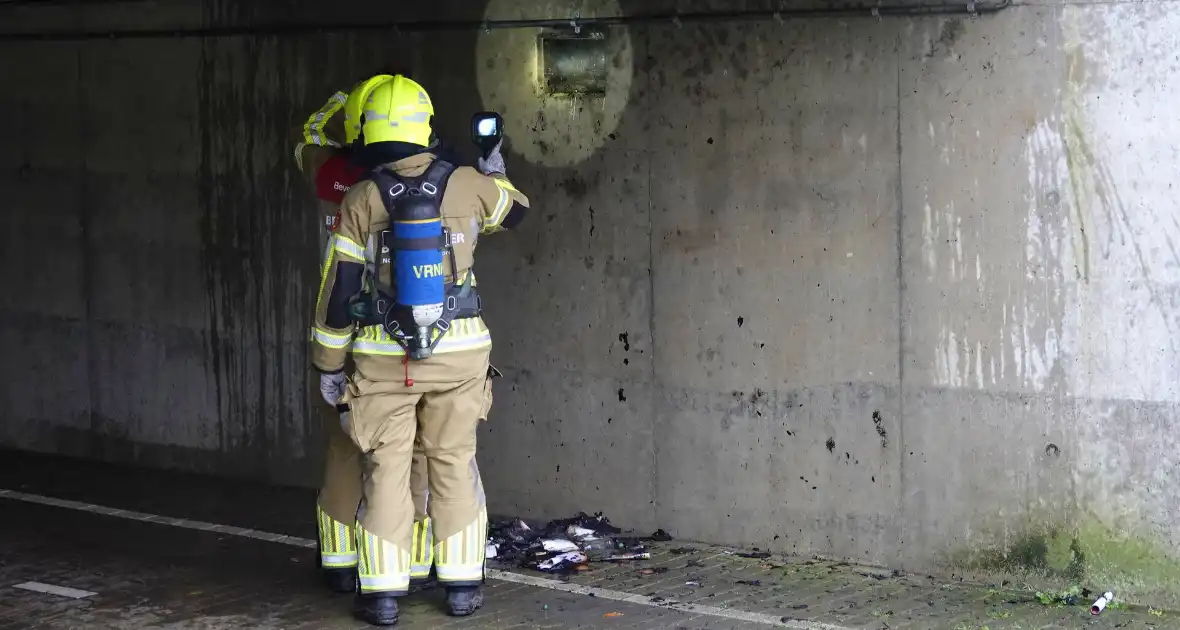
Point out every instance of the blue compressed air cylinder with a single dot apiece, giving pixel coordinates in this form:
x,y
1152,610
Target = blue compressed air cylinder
x,y
420,275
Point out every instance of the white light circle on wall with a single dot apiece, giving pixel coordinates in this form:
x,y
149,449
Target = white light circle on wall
x,y
552,130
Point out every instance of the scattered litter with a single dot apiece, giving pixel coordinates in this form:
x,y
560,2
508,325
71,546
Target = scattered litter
x,y
1065,598
559,546
566,545
750,582
581,533
757,555
511,538
623,557
598,523
1100,604
53,589
569,560
876,574
661,536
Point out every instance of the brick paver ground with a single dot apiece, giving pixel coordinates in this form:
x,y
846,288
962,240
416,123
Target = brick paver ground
x,y
149,575
845,595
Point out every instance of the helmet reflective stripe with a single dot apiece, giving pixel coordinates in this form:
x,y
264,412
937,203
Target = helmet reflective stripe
x,y
397,110
355,103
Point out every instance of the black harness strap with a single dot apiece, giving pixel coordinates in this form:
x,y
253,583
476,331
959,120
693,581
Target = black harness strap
x,y
462,301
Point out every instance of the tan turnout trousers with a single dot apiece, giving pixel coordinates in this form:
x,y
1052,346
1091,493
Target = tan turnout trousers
x,y
437,401
340,488
340,497
442,414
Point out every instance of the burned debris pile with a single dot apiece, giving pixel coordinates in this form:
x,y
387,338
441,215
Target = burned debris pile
x,y
566,546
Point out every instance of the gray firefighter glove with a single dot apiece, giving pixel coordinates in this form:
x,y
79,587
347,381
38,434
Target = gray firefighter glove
x,y
494,162
332,387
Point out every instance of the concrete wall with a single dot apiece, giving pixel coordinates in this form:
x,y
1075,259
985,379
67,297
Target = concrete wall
x,y
898,291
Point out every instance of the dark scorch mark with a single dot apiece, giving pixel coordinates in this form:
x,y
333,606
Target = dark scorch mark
x,y
880,429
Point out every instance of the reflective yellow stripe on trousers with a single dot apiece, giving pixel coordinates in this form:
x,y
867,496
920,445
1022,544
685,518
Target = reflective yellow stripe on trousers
x,y
422,555
337,543
383,568
460,558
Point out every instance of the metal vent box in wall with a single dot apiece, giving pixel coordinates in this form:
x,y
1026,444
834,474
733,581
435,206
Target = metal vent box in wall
x,y
574,63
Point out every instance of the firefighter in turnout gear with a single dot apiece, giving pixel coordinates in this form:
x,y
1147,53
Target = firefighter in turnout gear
x,y
400,295
323,155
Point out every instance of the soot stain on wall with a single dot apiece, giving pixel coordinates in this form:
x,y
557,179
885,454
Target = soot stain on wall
x,y
253,235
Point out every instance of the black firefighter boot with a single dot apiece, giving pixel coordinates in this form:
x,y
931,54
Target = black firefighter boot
x,y
377,609
424,582
340,580
464,600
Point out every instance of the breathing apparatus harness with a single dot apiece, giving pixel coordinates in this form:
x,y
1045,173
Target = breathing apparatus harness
x,y
418,309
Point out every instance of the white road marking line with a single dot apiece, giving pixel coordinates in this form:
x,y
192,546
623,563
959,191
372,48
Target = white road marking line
x,y
631,598
157,519
53,589
493,574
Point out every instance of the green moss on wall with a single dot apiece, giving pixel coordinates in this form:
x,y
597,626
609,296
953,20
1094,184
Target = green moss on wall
x,y
1140,568
1051,553
1092,555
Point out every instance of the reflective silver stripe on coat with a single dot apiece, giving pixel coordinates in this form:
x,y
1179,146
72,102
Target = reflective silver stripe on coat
x,y
330,339
349,247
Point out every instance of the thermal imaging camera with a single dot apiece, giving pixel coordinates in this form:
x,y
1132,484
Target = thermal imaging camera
x,y
487,129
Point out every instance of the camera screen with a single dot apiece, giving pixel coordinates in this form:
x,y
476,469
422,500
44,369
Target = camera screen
x,y
486,127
